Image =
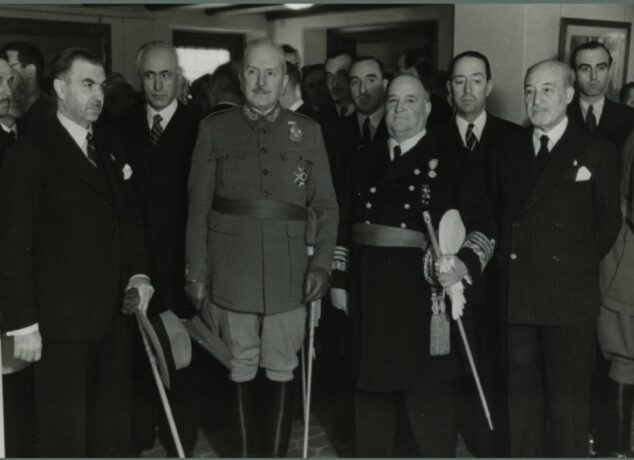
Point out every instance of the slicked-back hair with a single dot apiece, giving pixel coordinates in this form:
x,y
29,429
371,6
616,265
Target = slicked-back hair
x,y
64,60
624,91
372,59
475,55
288,49
28,53
294,77
336,53
591,45
4,56
264,41
568,76
150,46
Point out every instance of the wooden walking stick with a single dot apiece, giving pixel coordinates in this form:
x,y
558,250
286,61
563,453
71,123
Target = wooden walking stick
x,y
463,335
309,373
161,389
2,450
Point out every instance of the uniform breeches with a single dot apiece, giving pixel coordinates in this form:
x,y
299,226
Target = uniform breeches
x,y
550,371
616,339
417,422
256,340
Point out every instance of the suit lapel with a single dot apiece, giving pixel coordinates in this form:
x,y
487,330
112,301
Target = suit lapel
x,y
410,161
109,165
71,156
561,157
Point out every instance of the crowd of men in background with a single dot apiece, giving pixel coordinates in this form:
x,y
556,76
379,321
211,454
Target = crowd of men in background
x,y
203,199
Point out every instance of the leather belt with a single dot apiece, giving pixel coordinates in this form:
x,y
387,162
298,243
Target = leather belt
x,y
262,209
384,236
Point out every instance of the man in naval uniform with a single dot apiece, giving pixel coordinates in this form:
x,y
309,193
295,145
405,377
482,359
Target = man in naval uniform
x,y
388,188
256,170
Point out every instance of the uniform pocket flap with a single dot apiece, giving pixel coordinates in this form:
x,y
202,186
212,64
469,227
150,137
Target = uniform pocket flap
x,y
296,154
229,152
224,226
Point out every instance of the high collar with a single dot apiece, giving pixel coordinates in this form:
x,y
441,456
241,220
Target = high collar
x,y
271,116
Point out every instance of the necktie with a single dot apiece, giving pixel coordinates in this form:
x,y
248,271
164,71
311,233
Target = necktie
x,y
91,151
366,135
12,136
472,140
157,129
542,154
591,120
397,152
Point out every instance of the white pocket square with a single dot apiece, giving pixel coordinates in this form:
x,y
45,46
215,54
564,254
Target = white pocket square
x,y
583,174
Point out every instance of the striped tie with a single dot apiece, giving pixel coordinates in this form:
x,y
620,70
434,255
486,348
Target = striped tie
x,y
471,138
157,129
91,151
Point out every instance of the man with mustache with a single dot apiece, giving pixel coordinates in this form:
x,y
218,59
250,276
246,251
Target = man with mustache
x,y
159,137
472,133
71,245
557,189
257,171
7,81
592,64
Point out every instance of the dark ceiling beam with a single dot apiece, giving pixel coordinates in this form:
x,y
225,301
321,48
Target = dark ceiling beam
x,y
241,9
286,13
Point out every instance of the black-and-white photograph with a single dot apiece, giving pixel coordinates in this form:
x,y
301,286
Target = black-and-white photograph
x,y
316,230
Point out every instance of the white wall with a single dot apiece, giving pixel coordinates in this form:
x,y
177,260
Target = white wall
x,y
313,28
516,36
132,26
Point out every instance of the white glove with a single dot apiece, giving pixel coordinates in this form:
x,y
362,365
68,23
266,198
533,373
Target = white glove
x,y
339,299
142,284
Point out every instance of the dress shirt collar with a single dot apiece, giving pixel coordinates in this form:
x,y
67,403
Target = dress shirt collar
x,y
375,120
406,145
298,103
478,126
76,131
10,130
553,135
345,111
167,113
597,108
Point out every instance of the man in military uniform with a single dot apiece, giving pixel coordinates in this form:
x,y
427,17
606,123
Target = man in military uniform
x,y
389,186
256,169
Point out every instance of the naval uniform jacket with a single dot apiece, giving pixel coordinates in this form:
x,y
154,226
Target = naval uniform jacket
x,y
553,229
71,234
615,124
258,265
390,301
160,179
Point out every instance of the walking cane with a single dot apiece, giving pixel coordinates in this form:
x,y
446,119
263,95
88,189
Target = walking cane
x,y
463,335
161,389
309,376
2,451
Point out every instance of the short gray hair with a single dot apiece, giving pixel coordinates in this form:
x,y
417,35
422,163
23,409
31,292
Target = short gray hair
x,y
150,46
568,76
265,41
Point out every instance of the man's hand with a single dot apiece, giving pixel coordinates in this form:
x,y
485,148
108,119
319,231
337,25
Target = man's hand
x,y
316,285
137,295
196,293
28,347
455,274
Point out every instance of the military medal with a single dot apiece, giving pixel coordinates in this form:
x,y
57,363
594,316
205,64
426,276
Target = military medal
x,y
301,176
425,194
433,164
294,132
439,327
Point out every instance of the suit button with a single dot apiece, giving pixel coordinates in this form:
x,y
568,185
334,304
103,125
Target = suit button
x,y
406,206
412,188
403,225
263,150
556,259
265,171
368,205
367,221
513,256
372,189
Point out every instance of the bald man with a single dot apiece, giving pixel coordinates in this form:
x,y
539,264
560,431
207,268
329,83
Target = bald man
x,y
382,240
557,189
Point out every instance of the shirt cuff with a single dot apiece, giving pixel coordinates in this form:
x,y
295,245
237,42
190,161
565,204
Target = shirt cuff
x,y
134,278
25,330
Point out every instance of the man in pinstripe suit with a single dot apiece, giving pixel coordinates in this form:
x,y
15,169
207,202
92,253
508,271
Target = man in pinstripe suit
x,y
559,215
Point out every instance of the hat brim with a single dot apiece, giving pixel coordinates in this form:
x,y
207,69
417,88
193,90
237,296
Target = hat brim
x,y
211,343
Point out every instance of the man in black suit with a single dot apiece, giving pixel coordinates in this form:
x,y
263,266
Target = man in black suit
x,y
558,198
291,98
472,133
7,78
159,137
27,61
71,244
592,62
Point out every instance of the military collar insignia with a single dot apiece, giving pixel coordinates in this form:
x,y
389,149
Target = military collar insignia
x,y
270,117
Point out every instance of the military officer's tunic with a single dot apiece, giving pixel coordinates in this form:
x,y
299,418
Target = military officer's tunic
x,y
390,300
258,265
